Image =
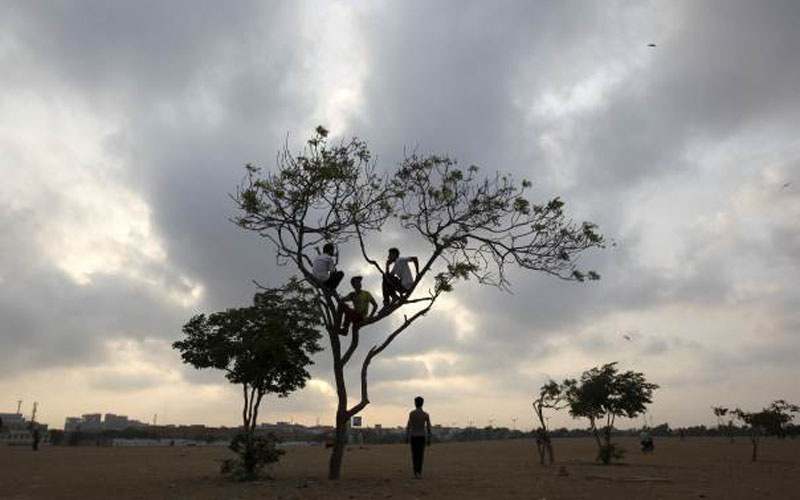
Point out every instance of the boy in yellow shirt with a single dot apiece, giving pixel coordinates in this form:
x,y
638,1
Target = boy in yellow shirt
x,y
360,311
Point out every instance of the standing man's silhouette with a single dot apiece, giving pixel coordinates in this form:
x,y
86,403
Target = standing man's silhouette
x,y
418,434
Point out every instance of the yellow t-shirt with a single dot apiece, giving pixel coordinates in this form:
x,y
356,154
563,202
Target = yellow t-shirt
x,y
361,301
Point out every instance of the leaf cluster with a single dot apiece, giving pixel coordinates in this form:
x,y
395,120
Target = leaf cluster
x,y
323,194
253,454
266,346
604,391
478,225
770,421
482,224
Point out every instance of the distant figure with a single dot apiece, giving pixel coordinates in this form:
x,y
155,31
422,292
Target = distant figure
x,y
418,434
324,269
37,436
360,311
398,279
646,441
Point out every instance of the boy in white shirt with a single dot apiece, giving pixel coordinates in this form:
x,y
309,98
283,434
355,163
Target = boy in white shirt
x,y
324,269
399,280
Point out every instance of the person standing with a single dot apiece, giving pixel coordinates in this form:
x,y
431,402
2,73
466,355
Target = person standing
x,y
37,436
418,434
324,269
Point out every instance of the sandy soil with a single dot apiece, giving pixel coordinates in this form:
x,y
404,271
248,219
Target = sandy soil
x,y
694,468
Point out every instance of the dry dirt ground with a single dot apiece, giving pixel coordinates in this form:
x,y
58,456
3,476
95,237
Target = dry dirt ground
x,y
690,469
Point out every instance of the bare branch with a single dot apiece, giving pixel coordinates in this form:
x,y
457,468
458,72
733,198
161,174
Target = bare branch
x,y
377,349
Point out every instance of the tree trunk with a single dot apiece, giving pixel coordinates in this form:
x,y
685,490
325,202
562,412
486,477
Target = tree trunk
x,y
340,438
755,449
337,455
596,434
550,451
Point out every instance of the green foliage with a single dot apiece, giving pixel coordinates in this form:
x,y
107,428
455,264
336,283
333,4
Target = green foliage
x,y
605,393
774,420
254,454
487,223
326,193
552,395
333,192
265,348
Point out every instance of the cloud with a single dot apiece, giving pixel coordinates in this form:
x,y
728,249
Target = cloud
x,y
123,127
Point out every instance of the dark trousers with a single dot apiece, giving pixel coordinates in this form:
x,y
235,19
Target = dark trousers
x,y
351,316
417,452
334,279
391,288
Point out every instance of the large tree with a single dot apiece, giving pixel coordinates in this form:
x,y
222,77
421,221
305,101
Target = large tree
x,y
601,395
265,348
472,227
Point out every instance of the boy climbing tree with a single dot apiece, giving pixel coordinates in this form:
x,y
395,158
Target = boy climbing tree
x,y
361,300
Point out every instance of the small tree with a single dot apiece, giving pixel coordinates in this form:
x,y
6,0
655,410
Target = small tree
x,y
265,348
726,429
471,227
771,421
604,393
552,396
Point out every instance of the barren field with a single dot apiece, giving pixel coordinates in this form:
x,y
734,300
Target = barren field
x,y
694,468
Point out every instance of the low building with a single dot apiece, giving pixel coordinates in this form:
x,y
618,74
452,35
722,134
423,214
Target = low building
x,y
96,422
17,431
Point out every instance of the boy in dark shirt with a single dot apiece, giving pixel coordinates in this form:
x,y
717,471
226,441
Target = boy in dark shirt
x,y
418,434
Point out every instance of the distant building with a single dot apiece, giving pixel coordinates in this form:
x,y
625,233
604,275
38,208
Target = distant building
x,y
113,422
16,431
96,422
72,424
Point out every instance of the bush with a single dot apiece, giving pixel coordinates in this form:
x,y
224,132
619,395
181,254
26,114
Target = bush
x,y
609,452
251,457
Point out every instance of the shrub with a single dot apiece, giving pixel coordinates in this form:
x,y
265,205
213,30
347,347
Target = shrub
x,y
252,456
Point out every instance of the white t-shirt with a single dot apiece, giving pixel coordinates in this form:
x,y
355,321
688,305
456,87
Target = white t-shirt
x,y
324,264
402,270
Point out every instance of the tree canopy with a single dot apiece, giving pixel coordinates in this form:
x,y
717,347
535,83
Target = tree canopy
x,y
770,421
265,346
472,226
606,393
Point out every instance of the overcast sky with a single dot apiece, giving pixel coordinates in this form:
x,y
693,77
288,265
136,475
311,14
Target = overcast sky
x,y
124,126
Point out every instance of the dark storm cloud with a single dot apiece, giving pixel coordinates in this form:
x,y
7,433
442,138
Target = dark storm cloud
x,y
128,61
49,321
440,81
